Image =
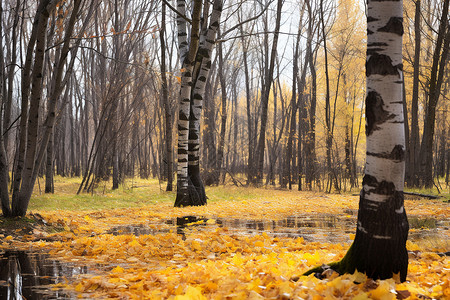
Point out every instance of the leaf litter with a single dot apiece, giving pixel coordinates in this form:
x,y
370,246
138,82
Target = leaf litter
x,y
214,262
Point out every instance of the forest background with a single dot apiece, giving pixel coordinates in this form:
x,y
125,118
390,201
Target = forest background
x,y
91,89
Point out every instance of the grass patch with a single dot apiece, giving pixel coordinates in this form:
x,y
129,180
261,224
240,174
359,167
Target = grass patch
x,y
133,193
139,192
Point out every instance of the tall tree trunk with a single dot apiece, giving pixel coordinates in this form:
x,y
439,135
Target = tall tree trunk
x,y
165,100
25,89
440,55
4,195
223,126
250,162
187,59
329,138
414,143
196,60
268,80
379,248
311,162
292,123
21,197
10,79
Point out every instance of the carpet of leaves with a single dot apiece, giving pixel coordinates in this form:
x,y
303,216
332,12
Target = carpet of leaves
x,y
213,262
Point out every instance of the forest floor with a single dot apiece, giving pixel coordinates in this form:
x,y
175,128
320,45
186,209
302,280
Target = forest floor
x,y
247,243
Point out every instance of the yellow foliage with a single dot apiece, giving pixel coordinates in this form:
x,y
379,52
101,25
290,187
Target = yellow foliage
x,y
213,262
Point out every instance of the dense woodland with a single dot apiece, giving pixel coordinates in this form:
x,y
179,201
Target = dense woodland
x,y
94,88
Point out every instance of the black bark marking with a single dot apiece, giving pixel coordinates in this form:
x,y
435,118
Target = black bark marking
x,y
394,25
183,116
374,51
370,181
397,154
375,113
197,97
202,52
377,44
381,64
371,19
369,32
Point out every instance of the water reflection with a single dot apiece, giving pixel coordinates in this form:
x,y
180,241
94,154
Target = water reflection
x,y
313,228
25,275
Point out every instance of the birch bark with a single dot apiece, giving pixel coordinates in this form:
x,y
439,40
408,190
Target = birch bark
x,y
379,248
196,67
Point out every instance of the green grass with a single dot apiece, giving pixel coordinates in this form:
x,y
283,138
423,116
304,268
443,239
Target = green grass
x,y
133,193
444,191
138,192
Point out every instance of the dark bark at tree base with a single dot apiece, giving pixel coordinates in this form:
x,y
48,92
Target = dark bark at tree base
x,y
378,258
195,195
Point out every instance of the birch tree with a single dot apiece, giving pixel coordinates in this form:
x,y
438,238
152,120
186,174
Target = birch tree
x,y
195,58
379,248
33,137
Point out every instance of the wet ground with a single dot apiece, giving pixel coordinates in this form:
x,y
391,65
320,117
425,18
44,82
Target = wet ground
x,y
26,275
323,228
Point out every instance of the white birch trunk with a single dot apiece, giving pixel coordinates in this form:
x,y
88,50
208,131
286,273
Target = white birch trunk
x,y
379,248
207,42
380,242
187,54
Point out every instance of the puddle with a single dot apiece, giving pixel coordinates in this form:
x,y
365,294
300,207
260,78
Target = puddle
x,y
319,228
25,275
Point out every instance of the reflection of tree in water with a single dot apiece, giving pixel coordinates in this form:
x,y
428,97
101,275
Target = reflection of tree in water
x,y
313,227
186,221
26,275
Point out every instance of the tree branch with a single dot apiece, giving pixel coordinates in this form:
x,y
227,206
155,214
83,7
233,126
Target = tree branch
x,y
177,12
246,21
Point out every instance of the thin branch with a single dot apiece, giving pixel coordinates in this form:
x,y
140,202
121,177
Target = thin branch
x,y
256,33
177,12
246,21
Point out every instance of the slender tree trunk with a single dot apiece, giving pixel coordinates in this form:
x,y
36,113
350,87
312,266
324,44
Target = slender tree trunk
x,y
187,58
437,71
115,165
25,89
414,144
223,126
22,196
4,195
49,187
329,138
268,80
250,163
165,100
292,123
311,144
11,68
